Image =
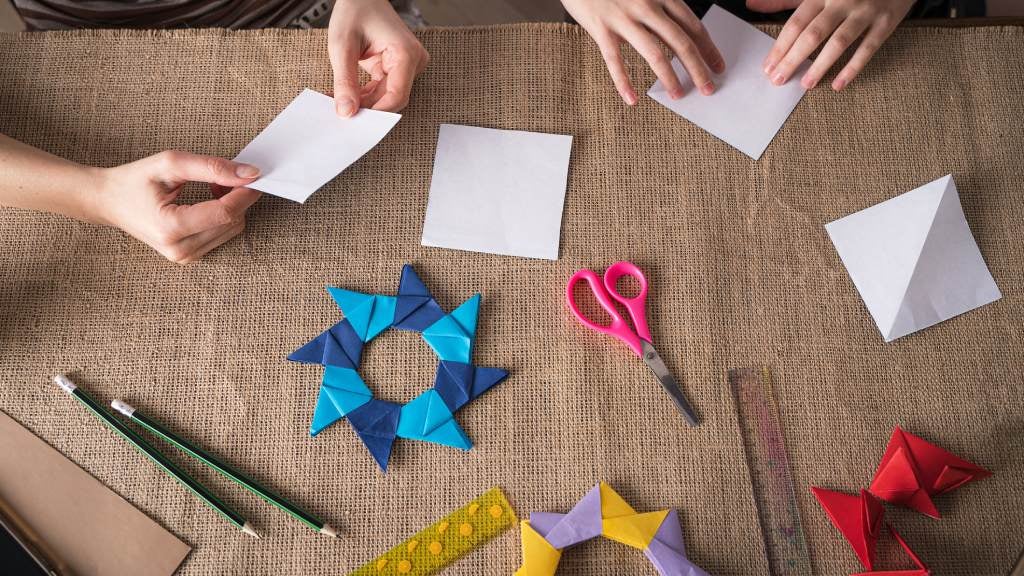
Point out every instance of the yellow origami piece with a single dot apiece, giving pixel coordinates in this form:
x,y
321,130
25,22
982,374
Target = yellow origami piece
x,y
602,512
539,557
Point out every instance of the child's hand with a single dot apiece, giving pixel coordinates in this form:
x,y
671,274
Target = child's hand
x,y
139,199
371,35
646,25
841,23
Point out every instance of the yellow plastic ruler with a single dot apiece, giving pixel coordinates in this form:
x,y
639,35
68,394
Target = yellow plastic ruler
x,y
442,543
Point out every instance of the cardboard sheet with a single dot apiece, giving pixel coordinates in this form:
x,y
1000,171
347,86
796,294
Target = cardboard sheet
x,y
89,528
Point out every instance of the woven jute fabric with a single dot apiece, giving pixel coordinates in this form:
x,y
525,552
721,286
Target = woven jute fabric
x,y
741,269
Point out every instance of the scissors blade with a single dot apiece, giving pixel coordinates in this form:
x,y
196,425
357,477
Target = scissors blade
x,y
654,362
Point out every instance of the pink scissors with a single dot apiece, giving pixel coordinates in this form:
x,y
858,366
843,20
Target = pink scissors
x,y
640,340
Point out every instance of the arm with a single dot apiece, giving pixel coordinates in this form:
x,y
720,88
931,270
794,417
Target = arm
x,y
35,180
138,198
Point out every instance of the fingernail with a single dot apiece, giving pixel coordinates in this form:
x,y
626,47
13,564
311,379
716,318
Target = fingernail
x,y
778,79
718,67
346,107
839,84
676,93
808,83
247,171
708,88
769,68
631,99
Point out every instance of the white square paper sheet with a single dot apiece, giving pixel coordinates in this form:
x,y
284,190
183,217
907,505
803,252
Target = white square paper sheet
x,y
914,260
497,191
746,109
307,145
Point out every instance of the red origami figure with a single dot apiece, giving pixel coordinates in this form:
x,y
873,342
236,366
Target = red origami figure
x,y
912,471
919,571
859,518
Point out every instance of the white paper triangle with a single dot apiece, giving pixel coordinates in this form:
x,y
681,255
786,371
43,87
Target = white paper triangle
x,y
880,246
914,260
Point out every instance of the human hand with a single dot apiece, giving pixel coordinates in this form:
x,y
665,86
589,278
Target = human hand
x,y
841,23
139,198
643,23
369,34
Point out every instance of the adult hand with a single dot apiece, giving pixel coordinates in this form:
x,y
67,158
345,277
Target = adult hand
x,y
140,199
369,34
837,24
646,25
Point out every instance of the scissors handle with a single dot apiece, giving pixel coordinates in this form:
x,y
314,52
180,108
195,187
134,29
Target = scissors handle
x,y
618,327
636,306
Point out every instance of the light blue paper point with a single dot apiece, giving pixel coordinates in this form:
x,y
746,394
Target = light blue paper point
x,y
346,388
383,316
466,315
349,300
450,434
437,412
325,413
369,314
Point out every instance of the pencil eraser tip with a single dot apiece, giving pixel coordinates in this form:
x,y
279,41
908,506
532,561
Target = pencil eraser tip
x,y
122,407
66,384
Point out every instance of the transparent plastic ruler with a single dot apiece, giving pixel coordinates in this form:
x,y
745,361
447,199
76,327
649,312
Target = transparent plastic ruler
x,y
774,495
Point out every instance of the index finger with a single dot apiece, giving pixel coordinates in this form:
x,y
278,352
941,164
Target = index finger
x,y
609,47
649,49
689,55
681,13
800,19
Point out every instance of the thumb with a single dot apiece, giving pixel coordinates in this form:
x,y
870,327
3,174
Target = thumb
x,y
176,167
345,64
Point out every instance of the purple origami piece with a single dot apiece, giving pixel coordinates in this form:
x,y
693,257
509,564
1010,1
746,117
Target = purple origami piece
x,y
667,552
583,522
602,512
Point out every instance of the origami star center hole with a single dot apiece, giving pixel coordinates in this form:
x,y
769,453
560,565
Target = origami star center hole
x,y
398,366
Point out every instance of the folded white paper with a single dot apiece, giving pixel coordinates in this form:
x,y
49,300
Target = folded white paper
x,y
497,191
914,260
746,109
307,145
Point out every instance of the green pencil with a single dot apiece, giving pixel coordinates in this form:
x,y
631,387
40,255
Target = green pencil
x,y
225,469
153,454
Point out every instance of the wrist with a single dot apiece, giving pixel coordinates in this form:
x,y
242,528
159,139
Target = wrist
x,y
90,198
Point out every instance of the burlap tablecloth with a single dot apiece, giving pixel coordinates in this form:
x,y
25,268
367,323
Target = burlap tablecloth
x,y
742,273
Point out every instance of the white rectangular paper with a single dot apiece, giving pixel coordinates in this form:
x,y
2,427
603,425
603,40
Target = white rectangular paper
x,y
307,145
746,110
914,260
497,191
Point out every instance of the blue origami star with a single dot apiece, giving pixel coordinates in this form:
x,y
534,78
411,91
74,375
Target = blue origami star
x,y
428,417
